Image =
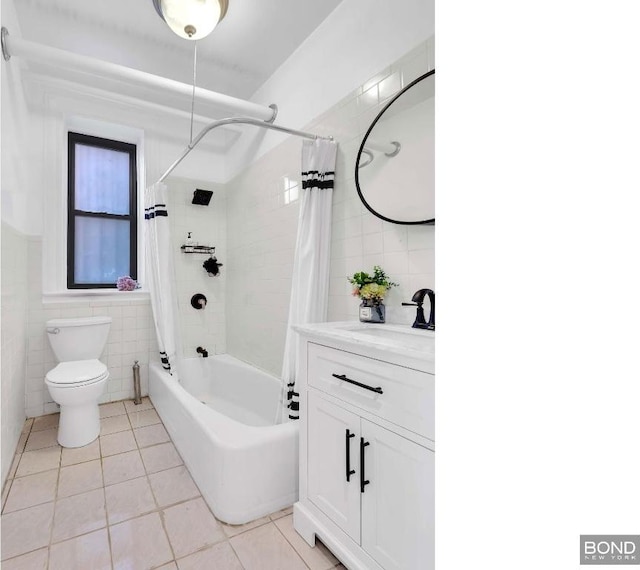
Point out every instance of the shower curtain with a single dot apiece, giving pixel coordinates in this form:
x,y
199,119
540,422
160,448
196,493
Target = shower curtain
x,y
310,281
159,272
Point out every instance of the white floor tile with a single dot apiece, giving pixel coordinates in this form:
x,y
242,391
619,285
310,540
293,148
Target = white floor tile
x,y
80,478
78,515
160,457
40,439
129,499
26,530
112,409
219,556
32,490
317,558
115,443
191,526
122,467
114,424
151,435
90,551
264,548
36,560
173,486
39,460
14,466
144,418
45,422
139,543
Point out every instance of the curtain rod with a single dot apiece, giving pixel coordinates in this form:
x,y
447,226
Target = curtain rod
x,y
13,46
244,121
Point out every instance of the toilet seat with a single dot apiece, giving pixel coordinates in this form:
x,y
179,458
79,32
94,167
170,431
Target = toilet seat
x,y
77,373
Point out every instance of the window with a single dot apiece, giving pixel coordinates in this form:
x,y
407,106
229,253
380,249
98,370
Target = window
x,y
102,212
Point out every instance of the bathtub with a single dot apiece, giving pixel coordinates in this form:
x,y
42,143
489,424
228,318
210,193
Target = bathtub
x,y
220,415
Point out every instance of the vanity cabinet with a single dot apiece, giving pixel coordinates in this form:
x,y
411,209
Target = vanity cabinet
x,y
367,456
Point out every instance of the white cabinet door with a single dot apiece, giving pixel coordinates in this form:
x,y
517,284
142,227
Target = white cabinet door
x,y
329,428
398,502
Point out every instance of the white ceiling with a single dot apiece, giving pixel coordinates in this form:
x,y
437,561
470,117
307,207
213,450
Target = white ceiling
x,y
253,40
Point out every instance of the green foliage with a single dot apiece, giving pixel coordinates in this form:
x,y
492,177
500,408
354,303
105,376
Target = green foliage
x,y
379,277
372,287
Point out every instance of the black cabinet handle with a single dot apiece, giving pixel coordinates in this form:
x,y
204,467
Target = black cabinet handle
x,y
342,377
347,437
363,482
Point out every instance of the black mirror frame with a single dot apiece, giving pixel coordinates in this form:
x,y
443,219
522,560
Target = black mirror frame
x,y
364,139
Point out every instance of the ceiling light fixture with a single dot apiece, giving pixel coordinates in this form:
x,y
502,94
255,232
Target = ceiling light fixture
x,y
192,19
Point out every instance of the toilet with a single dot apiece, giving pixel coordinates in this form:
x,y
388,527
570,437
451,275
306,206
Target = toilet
x,y
80,378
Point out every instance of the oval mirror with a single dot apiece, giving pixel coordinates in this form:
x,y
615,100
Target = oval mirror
x,y
395,175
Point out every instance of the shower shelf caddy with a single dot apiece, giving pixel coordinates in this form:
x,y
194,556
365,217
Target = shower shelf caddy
x,y
206,249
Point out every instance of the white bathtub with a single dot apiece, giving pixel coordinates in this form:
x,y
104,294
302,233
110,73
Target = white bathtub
x,y
244,465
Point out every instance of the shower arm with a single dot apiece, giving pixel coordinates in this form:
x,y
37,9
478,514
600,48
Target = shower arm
x,y
242,121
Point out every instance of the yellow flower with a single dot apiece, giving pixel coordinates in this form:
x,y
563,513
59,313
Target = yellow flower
x,y
373,292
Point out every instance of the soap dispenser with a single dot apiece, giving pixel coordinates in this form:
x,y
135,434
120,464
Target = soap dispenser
x,y
189,243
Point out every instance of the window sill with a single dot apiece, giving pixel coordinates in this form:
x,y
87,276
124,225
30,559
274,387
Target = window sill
x,y
95,296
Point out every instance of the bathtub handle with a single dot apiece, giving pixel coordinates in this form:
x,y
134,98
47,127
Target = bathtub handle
x,y
363,481
343,377
347,437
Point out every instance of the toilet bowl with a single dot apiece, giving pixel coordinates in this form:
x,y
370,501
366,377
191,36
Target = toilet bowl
x,y
76,386
79,380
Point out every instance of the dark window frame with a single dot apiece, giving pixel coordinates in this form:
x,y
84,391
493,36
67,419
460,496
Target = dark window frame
x,y
72,213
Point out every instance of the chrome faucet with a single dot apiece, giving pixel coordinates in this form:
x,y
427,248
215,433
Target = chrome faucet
x,y
417,301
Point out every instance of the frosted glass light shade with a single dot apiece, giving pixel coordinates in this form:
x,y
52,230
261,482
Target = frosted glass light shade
x,y
192,19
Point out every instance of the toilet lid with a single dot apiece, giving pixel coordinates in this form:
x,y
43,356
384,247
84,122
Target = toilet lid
x,y
77,372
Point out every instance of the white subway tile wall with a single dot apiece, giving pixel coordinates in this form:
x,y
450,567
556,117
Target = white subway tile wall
x,y
208,226
14,334
262,223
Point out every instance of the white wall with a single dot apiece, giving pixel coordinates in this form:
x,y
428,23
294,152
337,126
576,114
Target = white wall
x,y
262,228
356,41
14,335
208,226
261,240
15,203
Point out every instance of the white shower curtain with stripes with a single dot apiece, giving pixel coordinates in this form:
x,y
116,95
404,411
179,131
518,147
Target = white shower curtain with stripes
x,y
310,280
160,275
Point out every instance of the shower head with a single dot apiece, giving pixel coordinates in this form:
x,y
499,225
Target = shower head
x,y
202,197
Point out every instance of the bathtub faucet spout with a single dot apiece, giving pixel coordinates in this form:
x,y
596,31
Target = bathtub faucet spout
x,y
202,351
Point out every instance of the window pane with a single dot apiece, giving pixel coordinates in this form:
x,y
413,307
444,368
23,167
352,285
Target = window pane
x,y
101,180
101,250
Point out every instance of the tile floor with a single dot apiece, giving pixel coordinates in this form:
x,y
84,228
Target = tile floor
x,y
127,502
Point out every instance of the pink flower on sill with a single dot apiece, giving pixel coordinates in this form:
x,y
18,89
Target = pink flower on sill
x,y
125,283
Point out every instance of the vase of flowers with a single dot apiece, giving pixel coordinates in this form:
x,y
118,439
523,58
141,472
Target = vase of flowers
x,y
371,289
125,283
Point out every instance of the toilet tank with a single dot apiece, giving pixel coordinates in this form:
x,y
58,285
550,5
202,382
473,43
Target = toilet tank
x,y
78,339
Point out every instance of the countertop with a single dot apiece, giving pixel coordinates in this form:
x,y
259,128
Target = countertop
x,y
401,340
